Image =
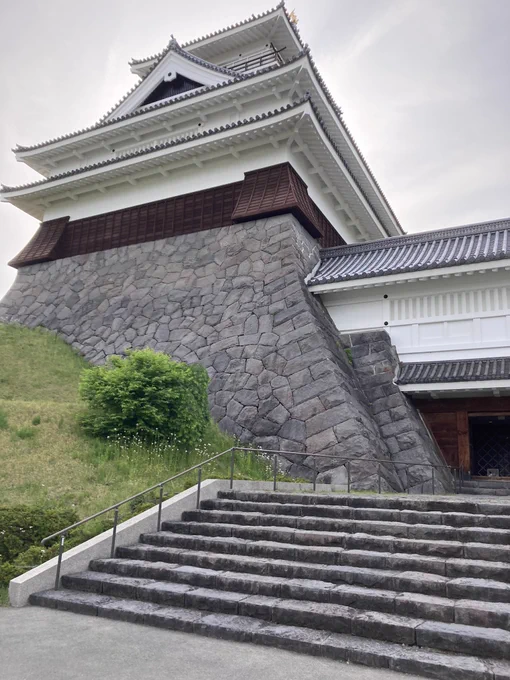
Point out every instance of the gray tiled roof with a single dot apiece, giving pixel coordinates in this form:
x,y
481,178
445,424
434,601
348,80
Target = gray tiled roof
x,y
454,371
483,242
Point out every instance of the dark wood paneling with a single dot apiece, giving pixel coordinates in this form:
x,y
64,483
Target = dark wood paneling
x,y
448,420
444,428
185,214
43,244
463,440
270,191
277,190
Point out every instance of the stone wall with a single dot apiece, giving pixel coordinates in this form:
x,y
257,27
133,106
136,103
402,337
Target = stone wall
x,y
375,362
235,300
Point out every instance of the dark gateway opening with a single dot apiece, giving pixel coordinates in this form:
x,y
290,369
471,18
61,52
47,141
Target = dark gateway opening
x,y
490,445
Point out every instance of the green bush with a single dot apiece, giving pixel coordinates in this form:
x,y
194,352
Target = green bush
x,y
4,423
22,527
36,420
32,557
148,395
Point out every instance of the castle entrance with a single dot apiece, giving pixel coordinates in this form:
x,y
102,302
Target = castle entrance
x,y
489,437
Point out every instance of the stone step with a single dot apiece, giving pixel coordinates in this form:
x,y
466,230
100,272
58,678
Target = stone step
x,y
482,491
451,519
334,555
285,541
386,528
335,618
487,483
424,583
388,501
351,648
466,612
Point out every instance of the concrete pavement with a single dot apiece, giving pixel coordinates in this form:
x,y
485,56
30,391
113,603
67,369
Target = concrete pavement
x,y
43,644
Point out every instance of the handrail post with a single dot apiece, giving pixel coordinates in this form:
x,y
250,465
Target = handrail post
x,y
160,504
199,486
59,562
433,481
459,474
232,462
114,532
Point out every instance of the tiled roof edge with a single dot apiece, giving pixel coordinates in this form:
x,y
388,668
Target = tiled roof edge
x,y
420,237
412,373
159,147
190,43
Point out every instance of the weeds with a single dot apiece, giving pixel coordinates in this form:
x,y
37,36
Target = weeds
x,y
4,596
4,421
25,433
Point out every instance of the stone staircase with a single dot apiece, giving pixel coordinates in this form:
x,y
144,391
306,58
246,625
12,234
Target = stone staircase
x,y
414,584
485,487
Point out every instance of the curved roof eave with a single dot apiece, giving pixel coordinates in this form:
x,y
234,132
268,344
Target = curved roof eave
x,y
24,151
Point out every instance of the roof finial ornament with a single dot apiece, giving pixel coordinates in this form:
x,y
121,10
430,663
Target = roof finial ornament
x,y
173,42
293,17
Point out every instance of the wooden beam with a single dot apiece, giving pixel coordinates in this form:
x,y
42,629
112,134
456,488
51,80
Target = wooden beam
x,y
463,441
472,405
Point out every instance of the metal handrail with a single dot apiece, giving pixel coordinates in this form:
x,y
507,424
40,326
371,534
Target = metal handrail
x,y
272,452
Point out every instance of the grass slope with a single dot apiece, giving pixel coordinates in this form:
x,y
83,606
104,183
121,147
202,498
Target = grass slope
x,y
46,460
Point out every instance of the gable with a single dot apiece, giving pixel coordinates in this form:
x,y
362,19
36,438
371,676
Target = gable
x,y
171,87
176,72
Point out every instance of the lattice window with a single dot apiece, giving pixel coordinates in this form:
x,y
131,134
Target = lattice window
x,y
490,444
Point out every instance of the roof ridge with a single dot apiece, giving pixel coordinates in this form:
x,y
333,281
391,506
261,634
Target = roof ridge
x,y
201,62
158,147
189,43
419,237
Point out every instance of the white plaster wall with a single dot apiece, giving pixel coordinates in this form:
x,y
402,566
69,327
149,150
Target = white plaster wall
x,y
184,180
324,201
430,320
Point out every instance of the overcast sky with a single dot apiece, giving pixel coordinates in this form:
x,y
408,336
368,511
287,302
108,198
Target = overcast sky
x,y
423,84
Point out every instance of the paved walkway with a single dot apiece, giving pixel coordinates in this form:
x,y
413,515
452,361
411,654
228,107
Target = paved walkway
x,y
43,644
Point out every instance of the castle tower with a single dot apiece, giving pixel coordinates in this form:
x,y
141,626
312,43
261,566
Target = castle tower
x,y
189,219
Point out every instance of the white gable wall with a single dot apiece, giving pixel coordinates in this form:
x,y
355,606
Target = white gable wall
x,y
432,320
